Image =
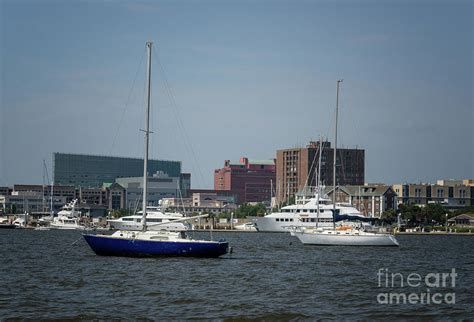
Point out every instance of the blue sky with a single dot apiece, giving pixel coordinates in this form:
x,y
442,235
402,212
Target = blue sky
x,y
247,77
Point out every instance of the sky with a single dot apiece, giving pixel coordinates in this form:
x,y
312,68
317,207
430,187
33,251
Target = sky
x,y
238,78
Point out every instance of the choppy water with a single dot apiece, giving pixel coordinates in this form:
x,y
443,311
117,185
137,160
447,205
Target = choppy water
x,y
269,276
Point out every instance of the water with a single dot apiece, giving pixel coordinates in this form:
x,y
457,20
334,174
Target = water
x,y
269,276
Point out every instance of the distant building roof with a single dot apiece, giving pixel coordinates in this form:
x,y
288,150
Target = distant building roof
x,y
462,217
262,162
244,162
364,191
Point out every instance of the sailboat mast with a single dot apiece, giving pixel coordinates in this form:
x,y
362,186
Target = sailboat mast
x,y
339,81
44,201
147,133
271,194
319,179
52,190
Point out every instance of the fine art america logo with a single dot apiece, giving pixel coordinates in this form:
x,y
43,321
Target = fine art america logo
x,y
432,285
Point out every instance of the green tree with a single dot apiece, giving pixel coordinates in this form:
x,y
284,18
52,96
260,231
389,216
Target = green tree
x,y
246,209
389,215
433,213
411,213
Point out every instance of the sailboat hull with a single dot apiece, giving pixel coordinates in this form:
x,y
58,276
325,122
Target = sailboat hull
x,y
336,239
108,246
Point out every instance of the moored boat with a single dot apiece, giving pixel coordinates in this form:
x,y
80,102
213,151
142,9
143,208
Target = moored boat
x,y
340,237
153,242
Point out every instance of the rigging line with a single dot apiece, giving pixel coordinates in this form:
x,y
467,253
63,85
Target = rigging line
x,y
46,170
176,112
178,118
126,105
311,168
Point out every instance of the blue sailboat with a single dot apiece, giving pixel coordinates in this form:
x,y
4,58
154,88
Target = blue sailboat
x,y
147,243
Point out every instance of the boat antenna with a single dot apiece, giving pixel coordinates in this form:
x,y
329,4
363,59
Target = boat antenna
x,y
339,81
147,133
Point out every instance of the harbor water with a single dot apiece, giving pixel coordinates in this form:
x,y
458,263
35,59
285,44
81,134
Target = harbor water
x,y
55,275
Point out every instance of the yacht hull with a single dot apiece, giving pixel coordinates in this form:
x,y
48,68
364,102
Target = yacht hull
x,y
342,239
269,224
109,246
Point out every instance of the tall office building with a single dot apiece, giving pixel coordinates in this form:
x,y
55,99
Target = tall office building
x,y
81,170
297,168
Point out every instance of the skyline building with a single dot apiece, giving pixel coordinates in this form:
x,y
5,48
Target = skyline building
x,y
250,180
296,168
83,170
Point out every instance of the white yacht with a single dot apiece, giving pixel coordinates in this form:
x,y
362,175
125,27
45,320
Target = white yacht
x,y
67,218
305,214
154,217
249,226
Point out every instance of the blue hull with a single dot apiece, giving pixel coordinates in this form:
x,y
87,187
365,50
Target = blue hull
x,y
106,246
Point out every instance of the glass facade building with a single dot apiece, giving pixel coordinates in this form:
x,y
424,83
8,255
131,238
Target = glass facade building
x,y
82,170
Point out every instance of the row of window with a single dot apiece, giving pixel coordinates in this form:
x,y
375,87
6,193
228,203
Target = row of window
x,y
302,210
314,220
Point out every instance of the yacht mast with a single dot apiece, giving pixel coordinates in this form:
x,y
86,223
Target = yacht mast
x,y
339,81
52,190
319,178
147,133
44,200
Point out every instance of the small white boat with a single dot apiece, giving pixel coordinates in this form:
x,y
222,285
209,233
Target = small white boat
x,y
61,222
155,216
249,226
68,218
20,222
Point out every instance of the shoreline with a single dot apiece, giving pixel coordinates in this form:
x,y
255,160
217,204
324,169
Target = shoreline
x,y
438,233
398,233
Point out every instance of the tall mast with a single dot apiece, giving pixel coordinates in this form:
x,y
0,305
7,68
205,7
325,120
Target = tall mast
x,y
339,81
44,168
319,178
52,189
271,194
147,133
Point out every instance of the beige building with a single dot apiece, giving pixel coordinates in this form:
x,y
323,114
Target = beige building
x,y
201,202
450,193
370,200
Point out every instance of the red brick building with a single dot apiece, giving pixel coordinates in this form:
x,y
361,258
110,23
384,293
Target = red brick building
x,y
250,180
